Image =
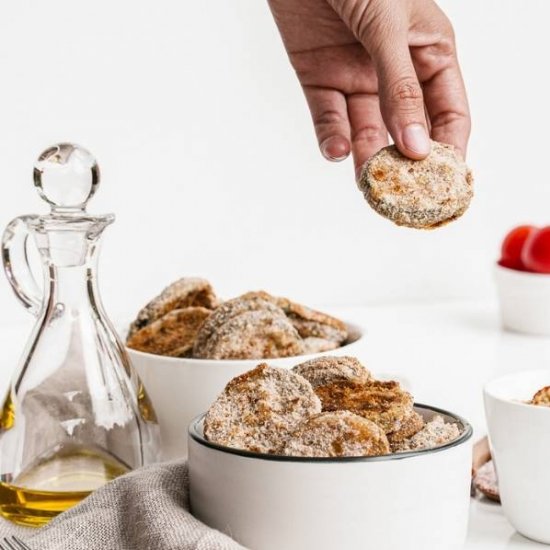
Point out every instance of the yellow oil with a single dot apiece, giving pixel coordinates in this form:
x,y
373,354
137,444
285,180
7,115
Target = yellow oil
x,y
7,414
144,404
56,484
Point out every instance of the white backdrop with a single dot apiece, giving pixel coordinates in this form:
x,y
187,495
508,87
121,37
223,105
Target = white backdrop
x,y
210,163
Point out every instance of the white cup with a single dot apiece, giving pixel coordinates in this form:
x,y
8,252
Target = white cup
x,y
520,442
524,300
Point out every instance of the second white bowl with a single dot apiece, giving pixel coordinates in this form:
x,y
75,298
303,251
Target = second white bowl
x,y
181,388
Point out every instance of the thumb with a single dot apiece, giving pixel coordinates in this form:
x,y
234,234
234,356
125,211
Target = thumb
x,y
401,99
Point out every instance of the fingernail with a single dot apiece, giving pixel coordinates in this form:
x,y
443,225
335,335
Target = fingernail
x,y
415,138
335,148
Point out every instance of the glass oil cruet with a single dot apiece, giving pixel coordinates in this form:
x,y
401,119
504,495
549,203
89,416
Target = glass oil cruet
x,y
76,414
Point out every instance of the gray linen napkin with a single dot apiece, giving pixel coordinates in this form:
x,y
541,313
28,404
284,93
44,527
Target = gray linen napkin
x,y
147,509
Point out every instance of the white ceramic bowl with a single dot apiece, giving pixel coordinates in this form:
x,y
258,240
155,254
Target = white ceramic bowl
x,y
520,444
181,389
524,300
408,501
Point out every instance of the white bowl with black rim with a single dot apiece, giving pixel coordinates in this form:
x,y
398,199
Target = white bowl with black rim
x,y
181,388
416,500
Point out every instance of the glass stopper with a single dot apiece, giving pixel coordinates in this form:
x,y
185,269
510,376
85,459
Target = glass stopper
x,y
66,176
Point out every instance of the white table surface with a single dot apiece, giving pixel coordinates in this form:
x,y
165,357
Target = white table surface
x,y
443,351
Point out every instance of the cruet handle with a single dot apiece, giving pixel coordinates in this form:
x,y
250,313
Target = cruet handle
x,y
16,264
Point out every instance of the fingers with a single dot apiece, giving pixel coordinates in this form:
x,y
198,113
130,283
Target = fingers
x,y
368,132
447,106
330,118
383,29
401,98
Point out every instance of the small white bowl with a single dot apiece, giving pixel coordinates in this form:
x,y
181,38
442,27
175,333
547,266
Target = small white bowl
x,y
181,388
520,443
414,501
524,300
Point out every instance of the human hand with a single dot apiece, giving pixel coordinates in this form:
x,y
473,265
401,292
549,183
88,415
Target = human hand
x,y
369,67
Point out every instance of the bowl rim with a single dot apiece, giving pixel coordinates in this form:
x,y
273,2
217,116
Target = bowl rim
x,y
195,433
489,392
520,274
359,329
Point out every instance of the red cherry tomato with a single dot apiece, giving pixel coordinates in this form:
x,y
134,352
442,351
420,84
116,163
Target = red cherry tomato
x,y
513,245
511,265
536,251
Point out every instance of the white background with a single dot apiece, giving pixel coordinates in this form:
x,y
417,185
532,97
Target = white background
x,y
210,163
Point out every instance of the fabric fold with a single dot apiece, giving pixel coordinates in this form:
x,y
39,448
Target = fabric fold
x,y
147,509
